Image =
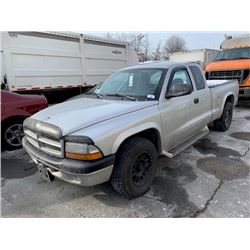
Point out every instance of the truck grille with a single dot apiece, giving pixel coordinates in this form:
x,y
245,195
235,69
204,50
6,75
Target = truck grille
x,y
226,75
44,142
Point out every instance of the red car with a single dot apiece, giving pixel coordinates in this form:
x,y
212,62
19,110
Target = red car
x,y
15,109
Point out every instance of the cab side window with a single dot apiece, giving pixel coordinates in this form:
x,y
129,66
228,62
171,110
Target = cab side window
x,y
179,80
198,77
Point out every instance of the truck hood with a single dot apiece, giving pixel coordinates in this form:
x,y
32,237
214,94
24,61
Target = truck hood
x,y
80,113
229,65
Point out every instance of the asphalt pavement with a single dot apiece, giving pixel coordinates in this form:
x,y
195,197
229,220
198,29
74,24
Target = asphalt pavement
x,y
209,179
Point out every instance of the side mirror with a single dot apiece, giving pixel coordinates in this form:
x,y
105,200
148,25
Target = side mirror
x,y
179,90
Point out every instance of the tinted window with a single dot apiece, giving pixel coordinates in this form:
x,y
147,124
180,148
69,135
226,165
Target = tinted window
x,y
198,77
180,77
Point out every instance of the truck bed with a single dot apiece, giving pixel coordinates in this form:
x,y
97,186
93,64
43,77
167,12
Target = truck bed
x,y
215,83
219,89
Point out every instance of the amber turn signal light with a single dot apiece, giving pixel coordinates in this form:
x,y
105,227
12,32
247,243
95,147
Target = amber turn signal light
x,y
84,157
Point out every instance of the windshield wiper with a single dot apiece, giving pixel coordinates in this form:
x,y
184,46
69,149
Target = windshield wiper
x,y
222,59
97,95
240,57
120,95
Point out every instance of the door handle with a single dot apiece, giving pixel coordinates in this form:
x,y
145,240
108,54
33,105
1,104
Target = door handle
x,y
196,100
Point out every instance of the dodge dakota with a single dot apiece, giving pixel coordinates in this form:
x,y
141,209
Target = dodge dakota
x,y
116,131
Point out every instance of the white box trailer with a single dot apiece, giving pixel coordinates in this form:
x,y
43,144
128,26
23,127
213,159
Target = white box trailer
x,y
44,61
201,56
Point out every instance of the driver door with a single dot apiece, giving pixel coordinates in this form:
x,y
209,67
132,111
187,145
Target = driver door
x,y
176,111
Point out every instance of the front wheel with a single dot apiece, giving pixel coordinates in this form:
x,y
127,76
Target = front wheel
x,y
224,122
135,167
12,134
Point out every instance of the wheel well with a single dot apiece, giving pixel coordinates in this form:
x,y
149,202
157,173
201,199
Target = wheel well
x,y
151,134
230,98
13,118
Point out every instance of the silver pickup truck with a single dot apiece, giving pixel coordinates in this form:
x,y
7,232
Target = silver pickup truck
x,y
116,131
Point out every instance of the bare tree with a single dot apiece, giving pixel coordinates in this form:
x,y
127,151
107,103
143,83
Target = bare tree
x,y
157,54
138,41
174,44
147,55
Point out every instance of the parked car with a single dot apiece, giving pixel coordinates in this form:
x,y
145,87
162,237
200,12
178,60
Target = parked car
x,y
117,130
14,109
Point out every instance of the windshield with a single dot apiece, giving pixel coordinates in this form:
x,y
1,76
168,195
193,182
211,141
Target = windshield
x,y
134,84
233,54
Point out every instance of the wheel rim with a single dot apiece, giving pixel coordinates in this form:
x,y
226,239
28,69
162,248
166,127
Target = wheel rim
x,y
14,134
141,169
228,116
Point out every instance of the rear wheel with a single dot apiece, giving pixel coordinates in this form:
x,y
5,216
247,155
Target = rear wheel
x,y
224,122
12,134
135,167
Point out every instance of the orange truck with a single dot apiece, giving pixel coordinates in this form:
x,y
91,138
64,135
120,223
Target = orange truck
x,y
233,62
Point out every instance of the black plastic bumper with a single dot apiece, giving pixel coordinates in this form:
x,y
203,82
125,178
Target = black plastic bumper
x,y
68,165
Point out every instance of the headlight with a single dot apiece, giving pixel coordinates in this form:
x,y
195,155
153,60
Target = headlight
x,y
82,151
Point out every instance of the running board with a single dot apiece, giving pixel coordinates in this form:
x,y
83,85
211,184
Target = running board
x,y
175,151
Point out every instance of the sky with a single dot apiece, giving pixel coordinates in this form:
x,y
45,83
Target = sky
x,y
194,40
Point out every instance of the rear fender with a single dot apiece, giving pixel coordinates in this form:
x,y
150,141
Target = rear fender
x,y
224,101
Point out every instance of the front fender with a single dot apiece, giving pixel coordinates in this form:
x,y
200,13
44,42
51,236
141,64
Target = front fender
x,y
133,131
10,114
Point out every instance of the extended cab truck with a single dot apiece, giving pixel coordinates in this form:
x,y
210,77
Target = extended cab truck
x,y
117,130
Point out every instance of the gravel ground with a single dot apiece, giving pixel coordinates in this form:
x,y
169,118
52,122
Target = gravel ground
x,y
208,179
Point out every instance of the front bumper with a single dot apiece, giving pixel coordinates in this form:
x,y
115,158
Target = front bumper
x,y
83,173
244,92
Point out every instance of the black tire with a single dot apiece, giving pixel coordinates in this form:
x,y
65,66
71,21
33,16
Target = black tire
x,y
224,122
211,125
135,167
5,134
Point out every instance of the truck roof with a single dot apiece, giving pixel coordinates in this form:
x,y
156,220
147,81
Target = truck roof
x,y
70,36
161,65
240,41
78,35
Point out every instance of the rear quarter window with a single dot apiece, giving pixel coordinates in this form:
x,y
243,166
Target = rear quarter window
x,y
198,77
